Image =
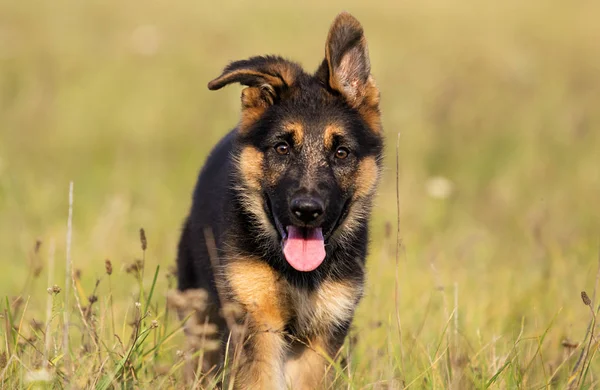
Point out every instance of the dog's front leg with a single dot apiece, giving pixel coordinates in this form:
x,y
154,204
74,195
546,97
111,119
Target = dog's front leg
x,y
261,366
261,293
309,364
307,367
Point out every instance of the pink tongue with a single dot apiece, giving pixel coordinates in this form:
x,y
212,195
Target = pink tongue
x,y
304,252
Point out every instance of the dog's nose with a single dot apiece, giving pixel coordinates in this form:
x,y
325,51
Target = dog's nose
x,y
307,209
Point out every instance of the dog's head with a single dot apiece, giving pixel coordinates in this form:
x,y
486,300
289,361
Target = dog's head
x,y
309,147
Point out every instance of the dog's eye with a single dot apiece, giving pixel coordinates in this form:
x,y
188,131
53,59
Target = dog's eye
x,y
342,152
282,148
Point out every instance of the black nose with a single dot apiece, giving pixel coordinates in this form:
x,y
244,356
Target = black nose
x,y
306,208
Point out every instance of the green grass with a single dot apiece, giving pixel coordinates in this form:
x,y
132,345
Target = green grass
x,y
501,99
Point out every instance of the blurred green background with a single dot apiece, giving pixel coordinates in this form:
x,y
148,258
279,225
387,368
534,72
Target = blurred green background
x,y
498,109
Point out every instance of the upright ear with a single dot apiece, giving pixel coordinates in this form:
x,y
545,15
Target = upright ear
x,y
267,78
347,69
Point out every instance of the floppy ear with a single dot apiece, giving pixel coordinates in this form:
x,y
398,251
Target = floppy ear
x,y
346,68
267,78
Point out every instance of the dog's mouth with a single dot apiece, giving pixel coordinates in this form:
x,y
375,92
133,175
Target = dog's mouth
x,y
304,247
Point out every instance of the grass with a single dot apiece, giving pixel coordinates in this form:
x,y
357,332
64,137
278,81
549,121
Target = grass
x,y
497,107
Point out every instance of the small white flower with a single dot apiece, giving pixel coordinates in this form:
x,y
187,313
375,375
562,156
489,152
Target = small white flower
x,y
439,187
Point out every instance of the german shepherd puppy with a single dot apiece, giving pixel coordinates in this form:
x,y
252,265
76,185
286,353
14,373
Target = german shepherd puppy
x,y
287,197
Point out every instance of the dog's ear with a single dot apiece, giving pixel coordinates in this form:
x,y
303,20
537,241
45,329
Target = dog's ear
x,y
346,68
268,79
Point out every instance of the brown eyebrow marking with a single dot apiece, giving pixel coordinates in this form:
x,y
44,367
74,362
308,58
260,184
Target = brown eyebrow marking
x,y
331,131
297,131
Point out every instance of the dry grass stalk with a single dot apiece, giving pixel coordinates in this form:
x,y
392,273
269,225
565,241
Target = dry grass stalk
x,y
68,277
589,333
588,302
399,246
108,267
48,339
144,244
109,270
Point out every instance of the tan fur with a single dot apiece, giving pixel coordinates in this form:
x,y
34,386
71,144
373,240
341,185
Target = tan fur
x,y
307,368
366,178
250,163
331,304
331,131
254,103
270,302
249,166
365,182
347,21
334,302
345,76
287,73
297,131
262,294
256,99
268,297
264,369
261,291
369,108
227,78
253,203
357,216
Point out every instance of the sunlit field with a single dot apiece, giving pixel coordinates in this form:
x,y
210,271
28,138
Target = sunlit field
x,y
492,115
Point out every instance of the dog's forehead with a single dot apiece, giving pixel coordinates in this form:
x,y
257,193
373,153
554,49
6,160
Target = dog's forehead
x,y
316,120
315,129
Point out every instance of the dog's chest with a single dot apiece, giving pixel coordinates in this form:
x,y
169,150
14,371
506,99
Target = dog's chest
x,y
329,305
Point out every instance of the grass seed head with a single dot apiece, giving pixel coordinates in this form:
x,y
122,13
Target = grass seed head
x,y
143,239
108,267
585,298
